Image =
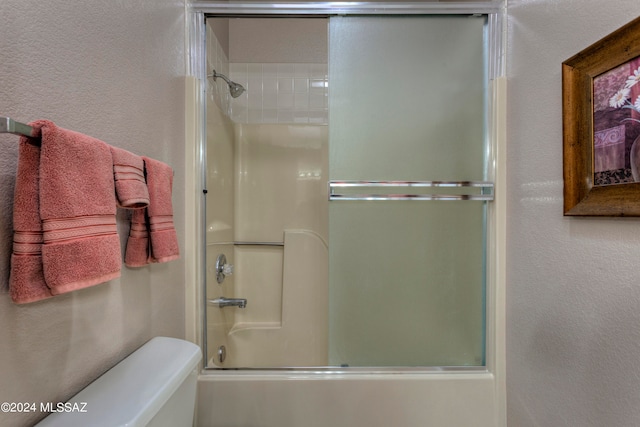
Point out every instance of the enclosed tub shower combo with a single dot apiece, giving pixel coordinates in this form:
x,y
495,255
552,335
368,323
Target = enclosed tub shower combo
x,y
350,211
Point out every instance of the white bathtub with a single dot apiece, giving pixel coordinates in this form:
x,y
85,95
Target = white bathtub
x,y
325,397
337,399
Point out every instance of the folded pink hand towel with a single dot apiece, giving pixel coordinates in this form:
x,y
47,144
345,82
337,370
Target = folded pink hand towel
x,y
77,206
157,229
137,251
26,280
128,173
164,241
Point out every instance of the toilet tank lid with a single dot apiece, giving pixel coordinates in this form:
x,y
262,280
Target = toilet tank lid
x,y
133,391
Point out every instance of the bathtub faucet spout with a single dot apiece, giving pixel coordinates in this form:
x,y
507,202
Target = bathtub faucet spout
x,y
229,302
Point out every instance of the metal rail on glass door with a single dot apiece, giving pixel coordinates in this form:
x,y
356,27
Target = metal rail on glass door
x,y
484,190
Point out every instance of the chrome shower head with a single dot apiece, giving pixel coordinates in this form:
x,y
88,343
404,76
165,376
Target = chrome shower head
x,y
235,89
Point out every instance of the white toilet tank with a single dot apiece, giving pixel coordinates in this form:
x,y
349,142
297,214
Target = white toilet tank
x,y
154,386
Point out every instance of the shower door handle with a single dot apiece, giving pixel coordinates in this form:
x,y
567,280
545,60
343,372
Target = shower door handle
x,y
478,190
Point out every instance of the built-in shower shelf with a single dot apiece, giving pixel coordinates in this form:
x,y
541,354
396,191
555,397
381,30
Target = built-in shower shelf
x,y
258,243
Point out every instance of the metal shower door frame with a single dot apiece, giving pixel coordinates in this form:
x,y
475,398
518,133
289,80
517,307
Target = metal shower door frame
x,y
495,11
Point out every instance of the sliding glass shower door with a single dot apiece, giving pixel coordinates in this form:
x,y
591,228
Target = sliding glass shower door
x,y
358,238
407,164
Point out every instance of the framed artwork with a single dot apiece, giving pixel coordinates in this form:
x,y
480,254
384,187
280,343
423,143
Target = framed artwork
x,y
601,126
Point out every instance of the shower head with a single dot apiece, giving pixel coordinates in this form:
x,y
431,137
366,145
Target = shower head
x,y
235,89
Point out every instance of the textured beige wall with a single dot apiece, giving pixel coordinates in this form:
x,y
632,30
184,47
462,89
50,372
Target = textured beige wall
x,y
220,27
278,40
573,284
113,70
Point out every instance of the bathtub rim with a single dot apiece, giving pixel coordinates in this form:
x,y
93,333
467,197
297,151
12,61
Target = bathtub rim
x,y
338,371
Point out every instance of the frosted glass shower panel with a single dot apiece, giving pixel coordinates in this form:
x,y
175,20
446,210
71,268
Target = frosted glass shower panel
x,y
407,103
407,98
406,283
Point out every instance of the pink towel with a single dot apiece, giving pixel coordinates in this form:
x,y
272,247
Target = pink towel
x,y
77,210
128,173
152,237
26,281
137,251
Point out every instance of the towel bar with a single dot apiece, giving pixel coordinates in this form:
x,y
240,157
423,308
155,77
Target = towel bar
x,y
8,125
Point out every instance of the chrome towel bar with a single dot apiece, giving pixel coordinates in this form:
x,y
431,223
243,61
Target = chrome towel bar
x,y
484,190
8,125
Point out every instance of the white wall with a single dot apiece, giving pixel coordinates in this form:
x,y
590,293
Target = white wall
x,y
113,70
573,292
272,41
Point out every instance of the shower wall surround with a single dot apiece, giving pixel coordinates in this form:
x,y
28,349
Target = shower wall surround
x,y
267,166
281,93
284,92
217,60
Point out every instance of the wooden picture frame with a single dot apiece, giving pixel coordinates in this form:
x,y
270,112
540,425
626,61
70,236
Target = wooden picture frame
x,y
599,125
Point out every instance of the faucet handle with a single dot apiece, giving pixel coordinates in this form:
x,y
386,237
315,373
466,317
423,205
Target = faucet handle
x,y
227,269
222,268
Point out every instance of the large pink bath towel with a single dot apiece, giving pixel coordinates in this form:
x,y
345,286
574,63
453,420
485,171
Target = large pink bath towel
x,y
26,280
153,235
80,244
128,173
77,206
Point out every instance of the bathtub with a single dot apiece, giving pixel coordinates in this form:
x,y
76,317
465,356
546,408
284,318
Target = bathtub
x,y
322,397
437,398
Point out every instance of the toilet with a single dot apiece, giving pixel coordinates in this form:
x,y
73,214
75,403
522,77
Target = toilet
x,y
155,386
